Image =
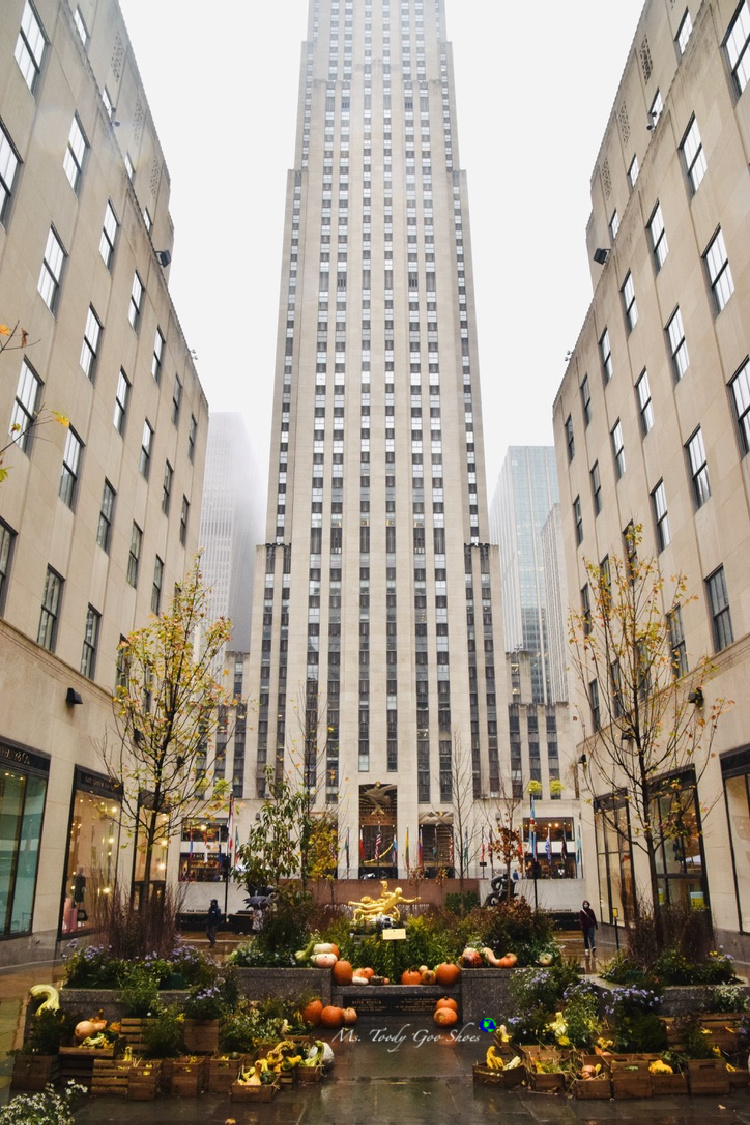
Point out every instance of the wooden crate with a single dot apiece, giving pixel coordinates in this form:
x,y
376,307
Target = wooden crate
x,y
131,1031
110,1076
676,1083
77,1063
222,1072
504,1079
593,1089
144,1081
549,1082
708,1076
738,1079
34,1072
243,1093
724,1031
309,1074
201,1037
188,1077
630,1076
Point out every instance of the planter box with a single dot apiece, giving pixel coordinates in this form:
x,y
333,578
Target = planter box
x,y
669,1084
188,1077
593,1089
738,1079
708,1076
201,1037
309,1074
244,1093
34,1072
504,1079
110,1076
222,1072
630,1076
725,1031
549,1082
131,1031
144,1081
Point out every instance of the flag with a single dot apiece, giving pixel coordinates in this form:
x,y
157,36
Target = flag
x,y
361,845
236,843
378,842
520,844
191,840
346,850
579,857
548,847
466,848
450,849
564,848
407,847
482,858
395,851
421,848
230,829
492,852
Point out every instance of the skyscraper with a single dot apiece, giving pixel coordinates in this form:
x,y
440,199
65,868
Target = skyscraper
x,y
376,613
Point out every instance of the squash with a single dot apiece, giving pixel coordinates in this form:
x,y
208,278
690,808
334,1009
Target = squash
x,y
445,1017
428,976
359,980
343,972
446,974
326,947
311,1012
489,955
471,956
349,1016
331,1016
324,960
368,972
446,1002
91,1026
411,976
508,961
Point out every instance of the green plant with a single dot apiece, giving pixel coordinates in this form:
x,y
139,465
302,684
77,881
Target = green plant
x,y
162,1035
728,998
48,1107
671,968
717,968
533,988
242,1029
621,970
581,1015
205,1003
48,1030
694,1040
140,990
460,903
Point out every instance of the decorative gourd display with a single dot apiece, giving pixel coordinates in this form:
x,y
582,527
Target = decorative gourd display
x,y
447,1002
508,961
332,1016
343,972
311,1012
349,1016
446,974
326,947
445,1017
411,976
428,976
91,1026
324,960
471,956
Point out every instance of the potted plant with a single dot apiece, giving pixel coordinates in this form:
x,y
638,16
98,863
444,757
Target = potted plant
x,y
37,1062
204,1008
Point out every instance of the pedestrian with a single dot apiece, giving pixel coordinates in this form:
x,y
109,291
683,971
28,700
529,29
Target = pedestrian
x,y
589,926
213,919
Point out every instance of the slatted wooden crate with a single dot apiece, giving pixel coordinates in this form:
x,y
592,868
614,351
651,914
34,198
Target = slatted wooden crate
x,y
630,1076
593,1089
110,1076
708,1076
188,1076
131,1030
222,1072
144,1080
504,1079
34,1072
244,1093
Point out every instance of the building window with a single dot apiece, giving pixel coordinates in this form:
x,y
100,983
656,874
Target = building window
x,y
692,151
9,162
618,449
7,537
737,45
596,488
596,715
606,353
586,400
645,405
156,358
167,488
50,274
684,32
614,226
570,438
719,604
578,519
657,105
81,28
586,610
661,515
109,236
70,468
633,171
121,401
75,154
740,387
658,237
157,585
191,437
678,348
176,399
30,46
134,555
25,407
146,442
184,516
136,299
129,169
698,468
628,300
719,273
677,643
90,343
106,515
47,633
90,638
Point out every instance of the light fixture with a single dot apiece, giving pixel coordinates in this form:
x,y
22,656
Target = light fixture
x,y
72,697
696,697
600,256
164,257
582,760
653,119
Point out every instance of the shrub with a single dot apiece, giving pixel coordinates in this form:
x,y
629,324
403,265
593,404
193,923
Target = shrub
x,y
140,990
49,1029
205,1002
581,1014
695,1043
514,926
459,903
632,1020
728,998
542,988
162,1035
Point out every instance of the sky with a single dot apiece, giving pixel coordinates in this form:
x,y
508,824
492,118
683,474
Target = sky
x,y
534,90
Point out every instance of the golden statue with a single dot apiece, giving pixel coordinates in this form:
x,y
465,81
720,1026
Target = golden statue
x,y
388,903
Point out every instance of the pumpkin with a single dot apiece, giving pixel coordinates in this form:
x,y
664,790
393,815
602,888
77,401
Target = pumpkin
x,y
428,976
91,1026
445,1017
327,947
311,1012
446,974
331,1016
368,972
342,972
507,961
411,976
324,960
349,1015
471,956
446,1002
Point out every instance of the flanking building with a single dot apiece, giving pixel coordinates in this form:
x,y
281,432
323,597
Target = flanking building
x,y
105,428
652,419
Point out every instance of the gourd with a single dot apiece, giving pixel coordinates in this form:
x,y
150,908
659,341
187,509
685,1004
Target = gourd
x,y
343,972
326,947
428,976
446,974
508,961
471,956
411,976
311,1012
91,1026
445,1017
324,960
359,980
349,1016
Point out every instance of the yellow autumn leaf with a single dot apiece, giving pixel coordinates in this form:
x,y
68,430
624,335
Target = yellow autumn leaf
x,y
60,418
4,330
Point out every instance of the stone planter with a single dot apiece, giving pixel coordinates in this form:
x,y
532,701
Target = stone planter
x,y
201,1037
256,984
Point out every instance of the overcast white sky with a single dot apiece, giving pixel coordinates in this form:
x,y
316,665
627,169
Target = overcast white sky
x,y
534,87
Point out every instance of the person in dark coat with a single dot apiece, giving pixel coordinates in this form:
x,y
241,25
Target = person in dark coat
x,y
589,926
213,920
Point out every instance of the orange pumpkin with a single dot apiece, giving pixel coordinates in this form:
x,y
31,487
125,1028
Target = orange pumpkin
x,y
342,972
508,961
446,1002
332,1016
311,1012
350,1016
366,972
411,976
445,1017
447,974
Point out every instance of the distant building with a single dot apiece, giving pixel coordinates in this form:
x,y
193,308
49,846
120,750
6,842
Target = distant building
x,y
98,517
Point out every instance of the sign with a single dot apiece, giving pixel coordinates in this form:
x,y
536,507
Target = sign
x,y
393,935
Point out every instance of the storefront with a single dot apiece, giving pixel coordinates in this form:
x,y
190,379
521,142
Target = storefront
x,y
24,776
93,847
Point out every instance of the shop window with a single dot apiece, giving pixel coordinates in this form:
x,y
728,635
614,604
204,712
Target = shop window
x,y
23,788
93,848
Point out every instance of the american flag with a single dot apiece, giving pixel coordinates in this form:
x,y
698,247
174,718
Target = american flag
x,y
378,842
